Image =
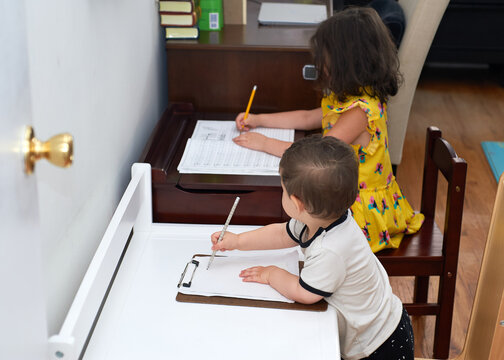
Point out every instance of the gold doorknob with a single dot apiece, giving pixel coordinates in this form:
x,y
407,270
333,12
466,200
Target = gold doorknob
x,y
58,150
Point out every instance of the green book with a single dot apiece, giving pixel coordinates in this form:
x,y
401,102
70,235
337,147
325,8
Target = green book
x,y
212,15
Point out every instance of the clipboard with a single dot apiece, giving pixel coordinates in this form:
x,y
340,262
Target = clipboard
x,y
224,300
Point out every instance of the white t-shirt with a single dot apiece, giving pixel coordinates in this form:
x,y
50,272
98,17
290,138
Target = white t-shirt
x,y
340,266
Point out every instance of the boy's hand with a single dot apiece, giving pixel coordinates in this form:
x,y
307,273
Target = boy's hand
x,y
251,140
229,241
243,124
260,274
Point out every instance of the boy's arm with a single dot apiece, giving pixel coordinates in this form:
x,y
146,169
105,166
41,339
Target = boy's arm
x,y
282,281
273,236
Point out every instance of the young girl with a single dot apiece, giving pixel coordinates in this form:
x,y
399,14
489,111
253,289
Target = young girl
x,y
358,70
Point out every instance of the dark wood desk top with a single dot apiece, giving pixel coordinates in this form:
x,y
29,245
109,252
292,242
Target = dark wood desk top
x,y
252,35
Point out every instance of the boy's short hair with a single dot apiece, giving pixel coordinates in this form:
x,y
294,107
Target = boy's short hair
x,y
323,173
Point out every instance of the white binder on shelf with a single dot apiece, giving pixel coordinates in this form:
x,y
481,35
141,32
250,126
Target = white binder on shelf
x,y
272,13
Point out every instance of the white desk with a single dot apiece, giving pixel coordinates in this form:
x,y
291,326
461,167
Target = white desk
x,y
141,319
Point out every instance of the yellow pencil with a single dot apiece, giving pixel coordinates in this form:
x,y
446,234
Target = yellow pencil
x,y
249,104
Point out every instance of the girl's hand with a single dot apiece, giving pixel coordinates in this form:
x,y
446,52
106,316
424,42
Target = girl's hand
x,y
229,241
243,124
251,140
259,274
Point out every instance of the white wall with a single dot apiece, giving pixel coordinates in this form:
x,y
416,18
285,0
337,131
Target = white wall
x,y
23,329
98,72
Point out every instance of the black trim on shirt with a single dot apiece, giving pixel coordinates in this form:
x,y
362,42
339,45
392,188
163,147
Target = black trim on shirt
x,y
291,234
320,230
313,290
337,222
301,235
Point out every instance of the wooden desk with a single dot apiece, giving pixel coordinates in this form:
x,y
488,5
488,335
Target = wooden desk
x,y
217,71
204,198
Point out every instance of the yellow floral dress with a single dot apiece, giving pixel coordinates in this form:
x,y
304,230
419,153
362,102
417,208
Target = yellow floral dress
x,y
380,209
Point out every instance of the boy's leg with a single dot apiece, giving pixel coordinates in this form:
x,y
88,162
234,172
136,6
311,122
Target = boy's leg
x,y
400,345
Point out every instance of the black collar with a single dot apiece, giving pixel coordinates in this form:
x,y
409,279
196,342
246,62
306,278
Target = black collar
x,y
320,230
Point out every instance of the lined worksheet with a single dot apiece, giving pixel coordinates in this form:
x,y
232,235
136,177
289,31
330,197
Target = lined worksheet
x,y
211,150
222,279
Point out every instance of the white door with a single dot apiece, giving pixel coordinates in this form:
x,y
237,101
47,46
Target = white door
x,y
23,329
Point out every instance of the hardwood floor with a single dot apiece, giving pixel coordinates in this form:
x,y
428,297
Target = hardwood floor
x,y
468,106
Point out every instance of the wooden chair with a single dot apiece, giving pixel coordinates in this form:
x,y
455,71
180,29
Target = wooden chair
x,y
422,21
485,334
430,252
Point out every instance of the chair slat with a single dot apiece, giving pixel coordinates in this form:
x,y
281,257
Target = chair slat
x,y
431,252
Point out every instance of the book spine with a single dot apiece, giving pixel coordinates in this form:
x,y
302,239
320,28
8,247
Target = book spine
x,y
175,12
174,19
180,33
177,7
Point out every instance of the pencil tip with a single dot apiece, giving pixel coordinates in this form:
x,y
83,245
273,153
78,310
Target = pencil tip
x,y
255,87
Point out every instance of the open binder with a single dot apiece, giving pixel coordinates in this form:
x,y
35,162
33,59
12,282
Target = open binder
x,y
193,266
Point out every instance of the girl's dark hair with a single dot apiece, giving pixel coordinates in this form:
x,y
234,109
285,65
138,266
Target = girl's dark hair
x,y
323,173
354,53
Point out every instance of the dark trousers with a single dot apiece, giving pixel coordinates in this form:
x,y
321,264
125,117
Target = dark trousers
x,y
400,345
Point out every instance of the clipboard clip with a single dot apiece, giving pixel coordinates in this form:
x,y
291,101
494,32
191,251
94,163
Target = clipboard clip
x,y
188,284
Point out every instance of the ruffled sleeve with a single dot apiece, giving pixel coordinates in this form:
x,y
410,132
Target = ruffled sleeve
x,y
374,110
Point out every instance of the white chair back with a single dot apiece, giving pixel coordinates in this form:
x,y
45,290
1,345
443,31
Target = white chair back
x,y
422,20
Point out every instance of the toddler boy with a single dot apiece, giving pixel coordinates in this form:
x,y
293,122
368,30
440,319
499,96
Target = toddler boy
x,y
320,182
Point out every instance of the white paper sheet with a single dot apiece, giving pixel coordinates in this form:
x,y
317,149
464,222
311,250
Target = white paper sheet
x,y
222,279
211,150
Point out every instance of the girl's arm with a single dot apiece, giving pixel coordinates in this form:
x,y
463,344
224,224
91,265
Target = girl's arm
x,y
259,142
351,127
299,119
273,236
282,281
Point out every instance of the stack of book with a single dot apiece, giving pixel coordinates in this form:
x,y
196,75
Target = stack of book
x,y
180,18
